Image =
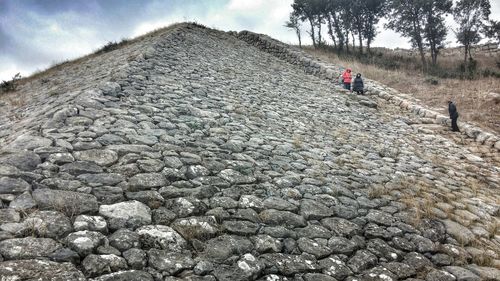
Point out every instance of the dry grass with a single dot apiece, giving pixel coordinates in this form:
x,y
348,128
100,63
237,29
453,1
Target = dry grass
x,y
471,97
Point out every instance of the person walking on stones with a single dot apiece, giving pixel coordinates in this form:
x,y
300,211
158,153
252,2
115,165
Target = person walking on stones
x,y
347,78
357,85
452,109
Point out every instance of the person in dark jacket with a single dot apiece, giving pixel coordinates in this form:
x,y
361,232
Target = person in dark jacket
x,y
452,109
358,85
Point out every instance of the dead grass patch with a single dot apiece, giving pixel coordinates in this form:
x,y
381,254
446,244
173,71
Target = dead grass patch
x,y
471,96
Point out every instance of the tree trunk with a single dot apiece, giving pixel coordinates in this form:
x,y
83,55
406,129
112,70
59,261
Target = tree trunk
x,y
360,36
319,31
347,40
297,30
340,35
313,38
330,31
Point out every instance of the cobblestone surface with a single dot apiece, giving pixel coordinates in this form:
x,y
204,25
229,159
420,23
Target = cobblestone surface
x,y
196,154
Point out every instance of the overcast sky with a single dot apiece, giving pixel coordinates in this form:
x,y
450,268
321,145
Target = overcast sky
x,y
35,34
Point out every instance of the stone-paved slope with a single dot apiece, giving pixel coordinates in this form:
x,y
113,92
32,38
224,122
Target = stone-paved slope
x,y
209,159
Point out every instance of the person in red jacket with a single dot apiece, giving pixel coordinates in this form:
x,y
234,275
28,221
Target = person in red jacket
x,y
347,78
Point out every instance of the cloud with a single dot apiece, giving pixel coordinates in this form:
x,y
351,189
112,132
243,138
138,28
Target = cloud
x,y
35,34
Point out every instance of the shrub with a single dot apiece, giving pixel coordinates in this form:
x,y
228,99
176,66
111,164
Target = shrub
x,y
112,45
11,85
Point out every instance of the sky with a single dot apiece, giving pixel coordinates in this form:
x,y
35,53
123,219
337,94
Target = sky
x,y
35,34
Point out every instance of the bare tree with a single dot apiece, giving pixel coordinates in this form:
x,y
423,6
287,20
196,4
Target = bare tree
x,y
294,23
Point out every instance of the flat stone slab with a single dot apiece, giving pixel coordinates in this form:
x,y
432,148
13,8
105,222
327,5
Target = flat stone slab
x,y
27,248
39,270
68,202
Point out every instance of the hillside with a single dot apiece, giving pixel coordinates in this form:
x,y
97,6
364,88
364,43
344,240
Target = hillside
x,y
195,154
477,100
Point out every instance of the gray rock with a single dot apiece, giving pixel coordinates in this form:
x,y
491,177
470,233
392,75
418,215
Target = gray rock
x,y
161,237
341,227
111,89
126,214
23,202
94,265
335,267
149,197
136,258
223,247
128,275
101,179
361,261
13,185
318,247
65,255
124,239
147,181
9,215
244,228
439,275
23,160
68,202
266,243
186,206
290,264
284,218
462,274
50,224
39,270
400,270
341,245
28,248
202,228
81,167
170,262
313,210
84,242
91,223
380,218
458,231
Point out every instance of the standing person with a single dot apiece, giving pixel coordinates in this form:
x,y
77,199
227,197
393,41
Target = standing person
x,y
358,85
452,109
347,78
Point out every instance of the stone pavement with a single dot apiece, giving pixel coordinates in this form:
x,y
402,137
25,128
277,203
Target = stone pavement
x,y
195,155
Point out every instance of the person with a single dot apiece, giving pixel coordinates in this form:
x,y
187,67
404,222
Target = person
x,y
346,77
357,85
452,109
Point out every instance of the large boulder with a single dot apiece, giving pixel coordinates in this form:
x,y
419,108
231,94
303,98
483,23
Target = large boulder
x,y
69,202
126,214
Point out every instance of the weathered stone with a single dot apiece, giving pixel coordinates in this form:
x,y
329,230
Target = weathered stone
x,y
68,202
290,264
126,214
147,181
124,239
285,218
39,270
50,224
13,185
94,265
91,223
202,228
170,262
223,247
84,242
81,167
28,248
161,237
